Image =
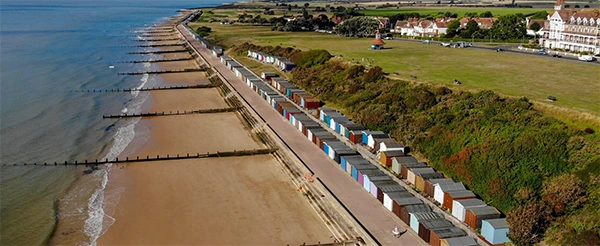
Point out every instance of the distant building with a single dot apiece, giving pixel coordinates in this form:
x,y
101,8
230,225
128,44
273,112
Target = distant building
x,y
483,23
572,30
415,27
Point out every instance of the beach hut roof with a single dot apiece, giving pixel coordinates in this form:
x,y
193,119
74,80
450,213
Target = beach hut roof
x,y
470,202
362,167
481,211
408,161
449,232
460,193
391,153
428,176
461,241
422,170
418,208
423,216
390,187
450,186
497,223
439,223
408,200
441,181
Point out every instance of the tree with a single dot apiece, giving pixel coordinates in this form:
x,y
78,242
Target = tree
x,y
535,26
472,27
563,194
452,29
526,224
486,14
509,27
306,5
358,27
541,15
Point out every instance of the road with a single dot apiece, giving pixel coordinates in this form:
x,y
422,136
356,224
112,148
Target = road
x,y
506,48
367,210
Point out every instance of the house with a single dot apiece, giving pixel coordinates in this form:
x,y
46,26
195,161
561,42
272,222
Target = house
x,y
358,172
415,27
460,207
284,64
454,195
474,216
459,241
495,231
440,188
385,157
384,22
572,30
483,23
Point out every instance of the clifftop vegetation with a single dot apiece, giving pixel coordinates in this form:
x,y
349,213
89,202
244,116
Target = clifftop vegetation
x,y
541,172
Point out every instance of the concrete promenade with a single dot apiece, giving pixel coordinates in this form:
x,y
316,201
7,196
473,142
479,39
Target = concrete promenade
x,y
377,220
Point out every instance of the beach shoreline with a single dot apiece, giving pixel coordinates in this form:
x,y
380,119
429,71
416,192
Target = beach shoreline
x,y
199,201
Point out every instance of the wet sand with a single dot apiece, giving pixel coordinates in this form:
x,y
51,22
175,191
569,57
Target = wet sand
x,y
218,201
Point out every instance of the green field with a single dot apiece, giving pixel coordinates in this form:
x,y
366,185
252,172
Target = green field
x,y
574,84
460,11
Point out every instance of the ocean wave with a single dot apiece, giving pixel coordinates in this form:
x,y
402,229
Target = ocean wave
x,y
98,221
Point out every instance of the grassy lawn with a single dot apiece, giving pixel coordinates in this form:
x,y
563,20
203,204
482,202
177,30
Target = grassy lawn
x,y
460,11
574,84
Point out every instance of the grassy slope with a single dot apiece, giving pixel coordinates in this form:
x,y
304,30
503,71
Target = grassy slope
x,y
574,84
460,11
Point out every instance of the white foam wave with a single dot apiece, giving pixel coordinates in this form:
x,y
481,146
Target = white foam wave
x,y
124,110
98,221
144,80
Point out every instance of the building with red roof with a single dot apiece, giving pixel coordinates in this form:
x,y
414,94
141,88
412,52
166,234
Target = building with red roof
x,y
377,43
573,30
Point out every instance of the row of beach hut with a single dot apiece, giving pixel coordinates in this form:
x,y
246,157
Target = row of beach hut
x,y
431,226
281,62
453,196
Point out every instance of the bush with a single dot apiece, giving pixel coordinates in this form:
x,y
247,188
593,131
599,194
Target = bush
x,y
310,58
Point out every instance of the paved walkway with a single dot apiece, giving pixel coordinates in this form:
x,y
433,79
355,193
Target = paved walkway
x,y
377,220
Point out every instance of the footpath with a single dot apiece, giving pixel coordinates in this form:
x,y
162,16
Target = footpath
x,y
369,212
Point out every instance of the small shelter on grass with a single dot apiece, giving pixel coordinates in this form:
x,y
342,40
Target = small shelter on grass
x,y
377,43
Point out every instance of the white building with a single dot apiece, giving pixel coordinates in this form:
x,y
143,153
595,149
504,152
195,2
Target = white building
x,y
572,30
415,27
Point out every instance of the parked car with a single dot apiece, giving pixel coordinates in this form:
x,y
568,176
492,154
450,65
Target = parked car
x,y
556,55
426,42
541,52
586,58
499,50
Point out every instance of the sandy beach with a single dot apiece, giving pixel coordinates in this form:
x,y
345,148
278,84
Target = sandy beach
x,y
220,201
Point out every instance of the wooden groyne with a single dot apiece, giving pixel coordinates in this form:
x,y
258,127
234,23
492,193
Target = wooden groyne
x,y
165,71
151,45
156,40
159,60
156,52
233,153
179,87
171,113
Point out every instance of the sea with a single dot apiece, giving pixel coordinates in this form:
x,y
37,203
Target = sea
x,y
52,52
